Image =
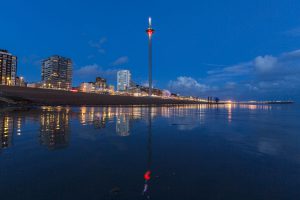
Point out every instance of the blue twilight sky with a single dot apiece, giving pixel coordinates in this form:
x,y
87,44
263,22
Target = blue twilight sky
x,y
233,49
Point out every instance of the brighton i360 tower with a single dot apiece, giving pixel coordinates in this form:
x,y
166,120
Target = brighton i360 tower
x,y
150,32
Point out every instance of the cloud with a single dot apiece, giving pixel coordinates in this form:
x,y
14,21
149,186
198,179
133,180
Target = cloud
x,y
98,44
230,85
295,32
267,77
120,61
188,84
87,70
265,63
231,71
90,72
145,84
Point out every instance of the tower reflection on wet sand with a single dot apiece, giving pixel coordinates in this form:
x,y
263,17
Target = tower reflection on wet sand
x,y
148,173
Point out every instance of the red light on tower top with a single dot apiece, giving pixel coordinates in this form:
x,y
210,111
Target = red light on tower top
x,y
150,30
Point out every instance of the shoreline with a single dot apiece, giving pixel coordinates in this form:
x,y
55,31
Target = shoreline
x,y
15,95
24,96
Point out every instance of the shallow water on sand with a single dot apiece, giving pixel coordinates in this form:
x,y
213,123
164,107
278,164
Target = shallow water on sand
x,y
179,152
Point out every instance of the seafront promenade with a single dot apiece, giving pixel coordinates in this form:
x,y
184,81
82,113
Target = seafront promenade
x,y
38,96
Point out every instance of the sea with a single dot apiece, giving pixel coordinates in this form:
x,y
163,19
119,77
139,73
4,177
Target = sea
x,y
178,152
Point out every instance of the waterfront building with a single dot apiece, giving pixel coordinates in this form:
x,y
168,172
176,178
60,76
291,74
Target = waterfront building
x,y
20,81
87,87
8,68
123,80
35,85
100,83
111,89
99,86
140,90
57,72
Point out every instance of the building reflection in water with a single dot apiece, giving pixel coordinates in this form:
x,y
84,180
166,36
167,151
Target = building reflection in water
x,y
183,115
95,116
6,131
102,117
122,116
20,122
9,125
122,124
54,127
55,124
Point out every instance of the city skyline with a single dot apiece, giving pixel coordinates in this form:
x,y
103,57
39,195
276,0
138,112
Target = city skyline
x,y
217,49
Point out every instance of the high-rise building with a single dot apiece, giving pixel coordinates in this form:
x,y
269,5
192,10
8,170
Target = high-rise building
x,y
87,87
57,72
100,83
8,68
124,80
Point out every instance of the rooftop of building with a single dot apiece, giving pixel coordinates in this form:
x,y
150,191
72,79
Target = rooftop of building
x,y
4,51
57,57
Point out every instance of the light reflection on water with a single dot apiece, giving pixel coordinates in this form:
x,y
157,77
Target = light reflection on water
x,y
55,121
160,152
